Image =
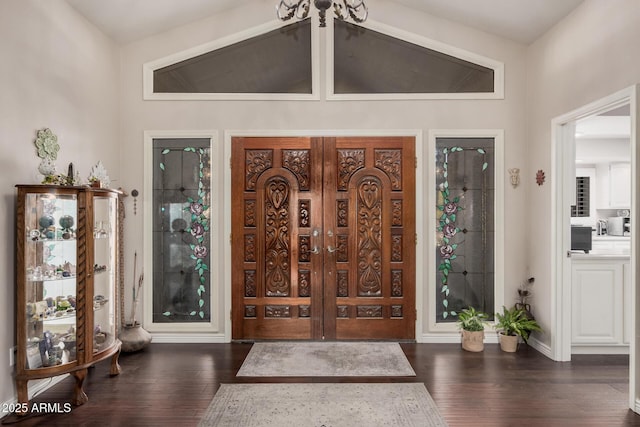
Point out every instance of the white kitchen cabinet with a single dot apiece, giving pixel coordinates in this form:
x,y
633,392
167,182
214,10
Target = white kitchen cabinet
x,y
601,304
620,185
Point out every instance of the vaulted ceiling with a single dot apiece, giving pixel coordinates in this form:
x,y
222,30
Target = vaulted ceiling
x,y
522,21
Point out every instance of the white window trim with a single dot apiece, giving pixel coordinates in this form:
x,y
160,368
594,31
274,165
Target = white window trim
x,y
185,332
497,66
149,67
448,332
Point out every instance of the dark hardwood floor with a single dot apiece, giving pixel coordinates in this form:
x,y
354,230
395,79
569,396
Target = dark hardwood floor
x,y
173,384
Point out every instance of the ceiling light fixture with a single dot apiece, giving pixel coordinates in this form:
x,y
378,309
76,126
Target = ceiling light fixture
x,y
344,9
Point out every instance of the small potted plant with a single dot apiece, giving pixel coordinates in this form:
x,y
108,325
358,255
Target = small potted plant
x,y
514,324
94,182
472,322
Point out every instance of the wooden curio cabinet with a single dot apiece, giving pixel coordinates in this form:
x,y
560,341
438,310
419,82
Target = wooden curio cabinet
x,y
66,277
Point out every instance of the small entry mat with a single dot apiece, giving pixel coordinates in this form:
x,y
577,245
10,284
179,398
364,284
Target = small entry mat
x,y
326,359
323,404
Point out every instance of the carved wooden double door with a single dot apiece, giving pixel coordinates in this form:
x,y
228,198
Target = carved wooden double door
x,y
323,238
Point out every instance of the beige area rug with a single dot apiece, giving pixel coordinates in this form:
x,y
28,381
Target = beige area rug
x,y
328,405
326,359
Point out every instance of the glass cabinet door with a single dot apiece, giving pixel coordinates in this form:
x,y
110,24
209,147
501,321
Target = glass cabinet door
x,y
50,279
104,272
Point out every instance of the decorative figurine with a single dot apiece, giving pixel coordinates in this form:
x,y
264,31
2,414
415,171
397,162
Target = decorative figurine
x,y
70,175
47,148
99,175
515,176
66,222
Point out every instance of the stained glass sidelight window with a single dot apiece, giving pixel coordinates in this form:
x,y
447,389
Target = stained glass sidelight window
x,y
181,230
465,231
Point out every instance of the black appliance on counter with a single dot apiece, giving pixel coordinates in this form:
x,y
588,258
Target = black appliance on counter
x,y
581,238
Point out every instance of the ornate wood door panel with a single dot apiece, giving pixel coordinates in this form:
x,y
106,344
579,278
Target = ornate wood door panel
x,y
277,200
369,221
323,238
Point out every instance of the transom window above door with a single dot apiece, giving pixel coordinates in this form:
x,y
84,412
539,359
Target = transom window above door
x,y
379,62
278,61
368,61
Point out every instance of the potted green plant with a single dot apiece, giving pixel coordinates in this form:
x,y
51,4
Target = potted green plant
x,y
472,323
514,324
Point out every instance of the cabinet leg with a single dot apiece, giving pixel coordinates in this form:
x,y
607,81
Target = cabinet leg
x,y
23,397
79,396
115,366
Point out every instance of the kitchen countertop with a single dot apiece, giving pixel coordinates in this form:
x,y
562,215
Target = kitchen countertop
x,y
598,255
608,238
606,247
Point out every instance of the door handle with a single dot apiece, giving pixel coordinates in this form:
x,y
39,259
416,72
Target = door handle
x,y
330,248
316,249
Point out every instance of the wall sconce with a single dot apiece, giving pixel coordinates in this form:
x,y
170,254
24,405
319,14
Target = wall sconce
x,y
514,176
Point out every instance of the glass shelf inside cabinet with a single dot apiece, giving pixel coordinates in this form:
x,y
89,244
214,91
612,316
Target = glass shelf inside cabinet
x,y
50,285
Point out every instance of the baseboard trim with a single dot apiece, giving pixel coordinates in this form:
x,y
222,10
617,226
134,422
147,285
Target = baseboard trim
x,y
454,338
490,337
540,347
602,349
429,338
186,338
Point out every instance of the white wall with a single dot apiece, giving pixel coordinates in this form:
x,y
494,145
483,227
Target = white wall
x,y
58,71
138,115
590,54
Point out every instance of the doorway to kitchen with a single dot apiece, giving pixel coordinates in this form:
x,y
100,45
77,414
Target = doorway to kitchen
x,y
323,238
591,305
600,263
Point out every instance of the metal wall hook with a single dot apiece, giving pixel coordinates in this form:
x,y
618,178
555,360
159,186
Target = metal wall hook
x,y
135,194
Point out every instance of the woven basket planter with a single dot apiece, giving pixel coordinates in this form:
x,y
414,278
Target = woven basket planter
x,y
473,340
508,343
